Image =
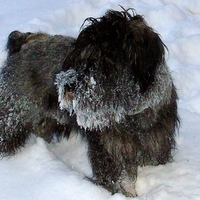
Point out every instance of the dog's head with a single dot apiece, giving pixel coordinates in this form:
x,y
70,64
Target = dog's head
x,y
17,39
112,69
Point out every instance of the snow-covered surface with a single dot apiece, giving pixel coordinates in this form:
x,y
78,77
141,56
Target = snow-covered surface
x,y
57,171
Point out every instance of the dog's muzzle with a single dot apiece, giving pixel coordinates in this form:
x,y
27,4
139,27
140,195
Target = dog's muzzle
x,y
66,82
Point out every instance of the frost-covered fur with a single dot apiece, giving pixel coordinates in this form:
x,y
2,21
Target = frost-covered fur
x,y
100,113
117,84
28,97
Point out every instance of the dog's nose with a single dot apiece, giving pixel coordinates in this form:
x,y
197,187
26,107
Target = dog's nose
x,y
69,87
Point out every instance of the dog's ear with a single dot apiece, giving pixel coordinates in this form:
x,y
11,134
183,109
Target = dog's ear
x,y
15,41
148,52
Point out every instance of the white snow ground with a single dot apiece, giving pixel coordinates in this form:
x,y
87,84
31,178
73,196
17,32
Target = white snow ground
x,y
56,171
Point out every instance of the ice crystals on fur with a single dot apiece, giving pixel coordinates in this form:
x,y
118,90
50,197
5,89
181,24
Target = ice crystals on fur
x,y
63,79
92,112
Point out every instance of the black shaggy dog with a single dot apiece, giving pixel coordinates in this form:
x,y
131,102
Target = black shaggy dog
x,y
117,84
28,97
112,82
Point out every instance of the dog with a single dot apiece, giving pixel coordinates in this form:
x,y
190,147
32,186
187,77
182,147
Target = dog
x,y
28,96
111,84
118,85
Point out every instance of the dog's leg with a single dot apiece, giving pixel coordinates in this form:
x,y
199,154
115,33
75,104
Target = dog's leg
x,y
111,163
13,132
12,138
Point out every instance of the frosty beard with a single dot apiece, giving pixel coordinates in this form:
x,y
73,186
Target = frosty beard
x,y
97,107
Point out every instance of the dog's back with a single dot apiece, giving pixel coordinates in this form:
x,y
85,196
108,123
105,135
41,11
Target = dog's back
x,y
28,94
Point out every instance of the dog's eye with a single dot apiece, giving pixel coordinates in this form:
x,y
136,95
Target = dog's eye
x,y
69,88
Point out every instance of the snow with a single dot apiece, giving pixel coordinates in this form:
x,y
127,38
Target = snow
x,y
57,171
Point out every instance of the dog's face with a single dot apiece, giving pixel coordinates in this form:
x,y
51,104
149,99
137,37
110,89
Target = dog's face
x,y
17,39
111,71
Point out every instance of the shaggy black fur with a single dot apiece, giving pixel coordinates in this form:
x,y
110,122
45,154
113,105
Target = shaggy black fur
x,y
122,95
28,98
112,82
